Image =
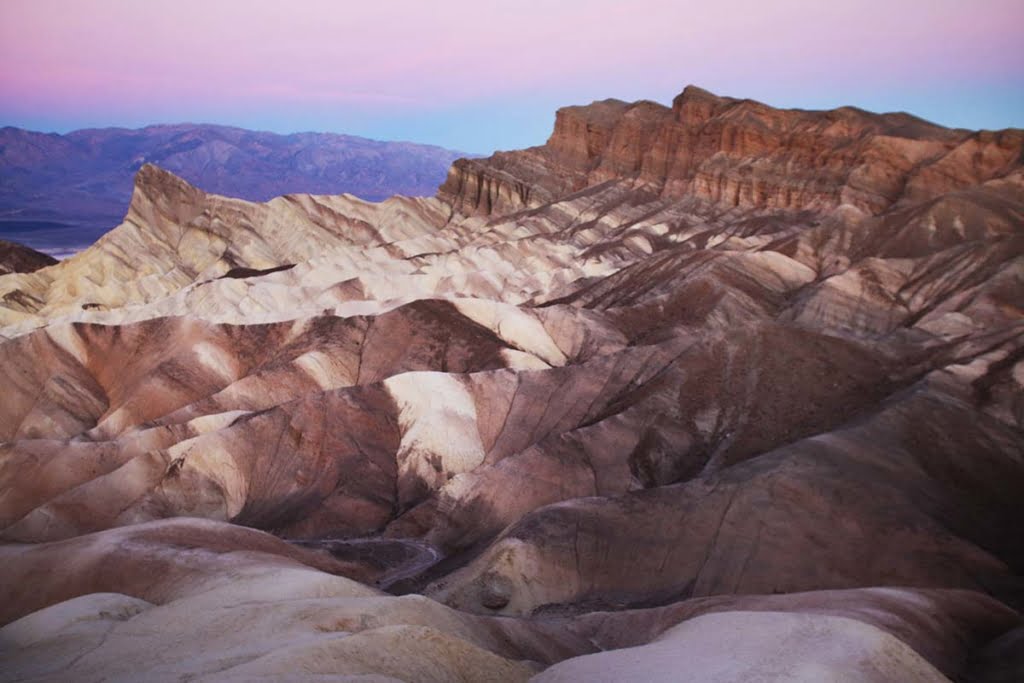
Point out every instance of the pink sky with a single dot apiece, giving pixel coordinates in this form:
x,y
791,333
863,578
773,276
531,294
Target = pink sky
x,y
466,73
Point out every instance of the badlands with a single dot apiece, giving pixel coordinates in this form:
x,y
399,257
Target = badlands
x,y
708,392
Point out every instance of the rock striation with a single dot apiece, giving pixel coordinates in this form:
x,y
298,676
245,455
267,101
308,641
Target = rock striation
x,y
739,153
712,385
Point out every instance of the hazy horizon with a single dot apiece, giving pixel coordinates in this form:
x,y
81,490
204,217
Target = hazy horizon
x,y
211,124
482,76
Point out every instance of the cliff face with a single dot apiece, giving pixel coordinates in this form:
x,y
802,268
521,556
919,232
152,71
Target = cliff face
x,y
739,153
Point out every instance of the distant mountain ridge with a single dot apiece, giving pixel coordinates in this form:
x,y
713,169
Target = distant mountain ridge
x,y
60,192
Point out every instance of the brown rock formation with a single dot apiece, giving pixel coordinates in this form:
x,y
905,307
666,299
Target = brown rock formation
x,y
739,153
678,366
17,258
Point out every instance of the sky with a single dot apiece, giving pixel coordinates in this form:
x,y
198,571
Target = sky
x,y
480,75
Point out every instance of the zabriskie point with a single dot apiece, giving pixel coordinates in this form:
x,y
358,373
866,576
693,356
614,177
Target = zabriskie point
x,y
713,391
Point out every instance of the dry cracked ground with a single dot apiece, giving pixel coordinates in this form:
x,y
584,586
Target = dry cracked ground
x,y
709,392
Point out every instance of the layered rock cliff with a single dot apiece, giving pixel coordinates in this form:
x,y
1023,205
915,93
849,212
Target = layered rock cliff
x,y
739,153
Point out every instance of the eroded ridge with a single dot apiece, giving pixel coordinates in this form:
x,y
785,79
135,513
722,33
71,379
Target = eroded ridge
x,y
715,383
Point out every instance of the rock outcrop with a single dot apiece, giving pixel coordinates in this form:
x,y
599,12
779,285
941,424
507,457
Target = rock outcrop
x,y
712,382
17,258
739,153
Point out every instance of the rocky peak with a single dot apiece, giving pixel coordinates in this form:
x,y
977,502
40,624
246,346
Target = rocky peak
x,y
582,134
695,106
161,200
155,185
